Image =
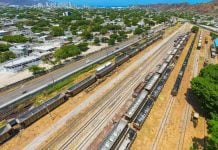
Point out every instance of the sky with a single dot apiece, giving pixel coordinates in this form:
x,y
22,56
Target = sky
x,y
124,2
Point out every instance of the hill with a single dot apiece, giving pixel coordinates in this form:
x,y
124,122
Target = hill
x,y
210,7
22,2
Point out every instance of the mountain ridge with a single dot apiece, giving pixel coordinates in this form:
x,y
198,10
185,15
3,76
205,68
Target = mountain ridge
x,y
22,2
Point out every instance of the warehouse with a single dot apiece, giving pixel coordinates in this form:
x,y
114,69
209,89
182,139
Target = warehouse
x,y
21,63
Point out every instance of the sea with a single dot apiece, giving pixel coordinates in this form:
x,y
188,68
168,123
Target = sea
x,y
123,3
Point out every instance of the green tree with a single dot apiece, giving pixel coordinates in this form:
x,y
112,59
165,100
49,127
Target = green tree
x,y
96,41
5,56
205,87
83,46
36,69
111,41
103,31
4,47
57,31
194,29
138,31
87,35
15,38
67,51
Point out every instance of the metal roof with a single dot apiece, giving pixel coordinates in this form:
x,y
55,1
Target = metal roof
x,y
162,68
135,105
169,58
103,66
152,81
21,61
113,136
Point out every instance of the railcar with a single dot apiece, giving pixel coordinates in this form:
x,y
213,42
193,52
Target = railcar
x,y
138,89
128,139
78,87
105,69
152,82
162,68
114,137
121,59
28,117
143,114
136,105
6,132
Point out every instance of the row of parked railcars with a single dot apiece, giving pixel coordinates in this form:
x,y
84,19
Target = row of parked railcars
x,y
200,41
27,118
31,116
176,86
142,104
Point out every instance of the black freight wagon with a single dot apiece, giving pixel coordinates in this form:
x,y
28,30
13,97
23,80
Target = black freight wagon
x,y
143,114
6,132
27,118
78,87
121,59
105,70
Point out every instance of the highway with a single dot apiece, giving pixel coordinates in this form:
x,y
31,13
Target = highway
x,y
38,83
81,133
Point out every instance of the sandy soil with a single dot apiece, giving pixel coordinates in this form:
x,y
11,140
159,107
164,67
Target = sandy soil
x,y
47,121
14,77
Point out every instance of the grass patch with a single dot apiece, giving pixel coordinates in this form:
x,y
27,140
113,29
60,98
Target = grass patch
x,y
2,123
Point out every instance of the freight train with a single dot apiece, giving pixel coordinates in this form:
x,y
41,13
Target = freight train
x,y
144,100
27,118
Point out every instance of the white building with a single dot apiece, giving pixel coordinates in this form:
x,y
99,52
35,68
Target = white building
x,y
19,50
3,32
21,63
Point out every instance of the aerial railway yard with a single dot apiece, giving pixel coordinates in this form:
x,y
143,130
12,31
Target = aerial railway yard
x,y
96,121
113,101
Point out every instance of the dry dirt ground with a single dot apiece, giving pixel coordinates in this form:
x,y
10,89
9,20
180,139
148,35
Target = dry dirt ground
x,y
178,132
28,134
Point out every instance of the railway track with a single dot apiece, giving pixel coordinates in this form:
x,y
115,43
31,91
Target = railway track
x,y
184,123
163,122
75,135
186,117
73,124
121,100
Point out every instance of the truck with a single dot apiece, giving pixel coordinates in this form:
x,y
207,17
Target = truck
x,y
194,118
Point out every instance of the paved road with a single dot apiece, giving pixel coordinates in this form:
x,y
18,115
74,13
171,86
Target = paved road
x,y
167,43
12,94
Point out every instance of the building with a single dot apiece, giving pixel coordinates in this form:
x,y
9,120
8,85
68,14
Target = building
x,y
3,32
216,43
21,63
19,50
67,13
48,47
